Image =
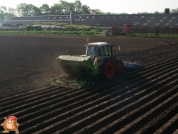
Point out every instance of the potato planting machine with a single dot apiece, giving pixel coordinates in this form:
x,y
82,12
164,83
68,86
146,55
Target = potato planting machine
x,y
82,71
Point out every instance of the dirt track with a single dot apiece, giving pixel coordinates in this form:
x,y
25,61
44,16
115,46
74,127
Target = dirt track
x,y
144,101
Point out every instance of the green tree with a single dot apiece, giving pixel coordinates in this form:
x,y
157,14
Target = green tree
x,y
9,14
78,7
143,13
156,12
67,7
174,10
2,13
6,14
109,13
56,9
28,10
86,9
35,10
96,11
122,13
3,8
45,9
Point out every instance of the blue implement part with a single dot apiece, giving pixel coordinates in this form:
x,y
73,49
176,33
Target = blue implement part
x,y
128,66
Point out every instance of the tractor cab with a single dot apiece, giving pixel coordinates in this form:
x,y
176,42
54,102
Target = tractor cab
x,y
98,49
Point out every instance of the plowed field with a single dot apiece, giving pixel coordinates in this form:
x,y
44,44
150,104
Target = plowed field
x,y
136,102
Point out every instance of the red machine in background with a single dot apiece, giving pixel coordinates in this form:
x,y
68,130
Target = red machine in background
x,y
126,29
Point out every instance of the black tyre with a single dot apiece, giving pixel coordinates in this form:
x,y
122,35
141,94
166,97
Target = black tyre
x,y
119,67
108,69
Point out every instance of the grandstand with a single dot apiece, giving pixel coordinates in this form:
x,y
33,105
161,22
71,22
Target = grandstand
x,y
147,20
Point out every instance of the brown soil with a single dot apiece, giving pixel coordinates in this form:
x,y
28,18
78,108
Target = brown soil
x,y
138,102
27,62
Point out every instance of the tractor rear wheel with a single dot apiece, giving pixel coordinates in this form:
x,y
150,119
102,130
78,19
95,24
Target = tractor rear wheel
x,y
108,69
119,67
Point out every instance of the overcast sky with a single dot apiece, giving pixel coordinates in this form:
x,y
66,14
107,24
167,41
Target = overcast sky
x,y
114,6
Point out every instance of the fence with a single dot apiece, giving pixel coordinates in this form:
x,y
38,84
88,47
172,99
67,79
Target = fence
x,y
164,32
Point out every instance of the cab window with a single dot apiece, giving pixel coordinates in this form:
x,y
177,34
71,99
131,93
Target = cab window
x,y
106,50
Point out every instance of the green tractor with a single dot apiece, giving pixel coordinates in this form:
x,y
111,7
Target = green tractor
x,y
82,71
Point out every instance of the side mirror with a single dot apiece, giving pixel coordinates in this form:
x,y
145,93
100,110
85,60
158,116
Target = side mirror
x,y
110,43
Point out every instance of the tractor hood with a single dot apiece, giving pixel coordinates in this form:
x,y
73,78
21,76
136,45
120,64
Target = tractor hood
x,y
77,66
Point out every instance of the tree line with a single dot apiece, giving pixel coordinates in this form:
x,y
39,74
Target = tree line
x,y
61,8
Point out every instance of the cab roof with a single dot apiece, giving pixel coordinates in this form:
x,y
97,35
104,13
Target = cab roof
x,y
99,43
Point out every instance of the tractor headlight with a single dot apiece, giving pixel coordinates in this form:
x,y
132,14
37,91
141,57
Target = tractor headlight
x,y
98,60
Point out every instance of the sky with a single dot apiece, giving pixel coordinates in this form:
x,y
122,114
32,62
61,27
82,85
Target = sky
x,y
113,6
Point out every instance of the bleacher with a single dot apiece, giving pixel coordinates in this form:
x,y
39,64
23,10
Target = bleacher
x,y
102,20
